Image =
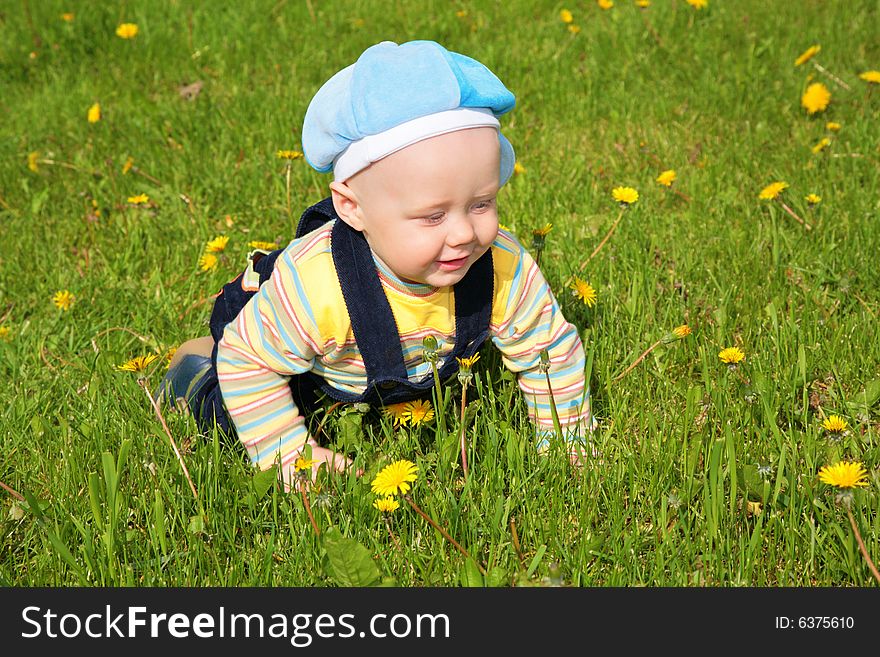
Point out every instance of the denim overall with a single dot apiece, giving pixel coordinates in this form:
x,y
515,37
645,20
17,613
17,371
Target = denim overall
x,y
372,322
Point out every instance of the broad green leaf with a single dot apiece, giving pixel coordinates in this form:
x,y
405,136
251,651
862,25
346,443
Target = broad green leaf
x,y
348,562
497,576
351,432
196,525
865,399
263,481
471,575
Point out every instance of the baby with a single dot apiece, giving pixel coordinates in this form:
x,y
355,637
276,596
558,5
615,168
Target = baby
x,y
407,246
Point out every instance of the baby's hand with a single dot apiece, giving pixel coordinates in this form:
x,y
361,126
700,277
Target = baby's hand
x,y
332,460
322,458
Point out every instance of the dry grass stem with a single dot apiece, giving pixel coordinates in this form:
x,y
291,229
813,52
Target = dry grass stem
x,y
862,548
142,384
443,532
636,362
12,492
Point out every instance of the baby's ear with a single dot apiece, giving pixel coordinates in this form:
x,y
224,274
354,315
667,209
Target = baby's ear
x,y
346,204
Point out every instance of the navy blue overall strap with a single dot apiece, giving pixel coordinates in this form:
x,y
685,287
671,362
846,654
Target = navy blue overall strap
x,y
372,320
376,331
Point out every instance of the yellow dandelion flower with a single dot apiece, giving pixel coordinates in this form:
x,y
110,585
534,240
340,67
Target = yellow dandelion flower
x,y
302,463
94,113
127,31
217,244
731,355
138,364
386,504
518,168
461,13
844,474
208,262
140,199
543,231
666,178
63,299
4,332
263,246
834,424
32,163
821,145
772,190
574,29
417,412
584,291
467,363
813,199
807,55
289,155
565,16
682,331
816,98
67,17
626,196
605,4
395,477
129,163
396,412
169,355
833,126
871,76
644,4
698,4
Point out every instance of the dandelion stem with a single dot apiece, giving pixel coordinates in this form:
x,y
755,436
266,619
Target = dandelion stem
x,y
302,490
192,487
287,185
12,492
462,439
636,361
557,426
442,531
797,218
604,239
438,399
72,167
862,548
391,533
144,174
324,419
514,537
834,78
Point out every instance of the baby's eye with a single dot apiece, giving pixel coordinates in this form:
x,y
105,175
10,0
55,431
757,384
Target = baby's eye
x,y
482,206
433,219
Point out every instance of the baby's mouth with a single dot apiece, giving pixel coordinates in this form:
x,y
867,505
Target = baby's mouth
x,y
452,265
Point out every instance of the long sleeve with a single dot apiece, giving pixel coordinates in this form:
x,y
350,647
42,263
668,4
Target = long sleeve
x,y
529,320
272,338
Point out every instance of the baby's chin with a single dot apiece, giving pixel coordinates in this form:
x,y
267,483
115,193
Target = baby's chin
x,y
441,278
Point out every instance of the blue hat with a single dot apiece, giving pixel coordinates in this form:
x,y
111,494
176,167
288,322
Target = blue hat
x,y
395,95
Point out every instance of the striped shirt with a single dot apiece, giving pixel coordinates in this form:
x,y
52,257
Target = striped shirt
x,y
297,322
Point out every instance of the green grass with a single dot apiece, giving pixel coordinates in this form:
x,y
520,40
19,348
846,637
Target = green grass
x,y
712,94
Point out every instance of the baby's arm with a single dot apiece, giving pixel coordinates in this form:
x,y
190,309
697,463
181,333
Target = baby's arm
x,y
531,322
270,340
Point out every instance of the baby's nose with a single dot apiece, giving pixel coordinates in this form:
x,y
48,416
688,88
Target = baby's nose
x,y
461,231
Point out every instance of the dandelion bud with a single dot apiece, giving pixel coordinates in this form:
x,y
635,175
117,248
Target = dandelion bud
x,y
545,361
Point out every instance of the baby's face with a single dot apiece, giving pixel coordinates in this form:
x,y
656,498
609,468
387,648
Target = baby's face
x,y
428,210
